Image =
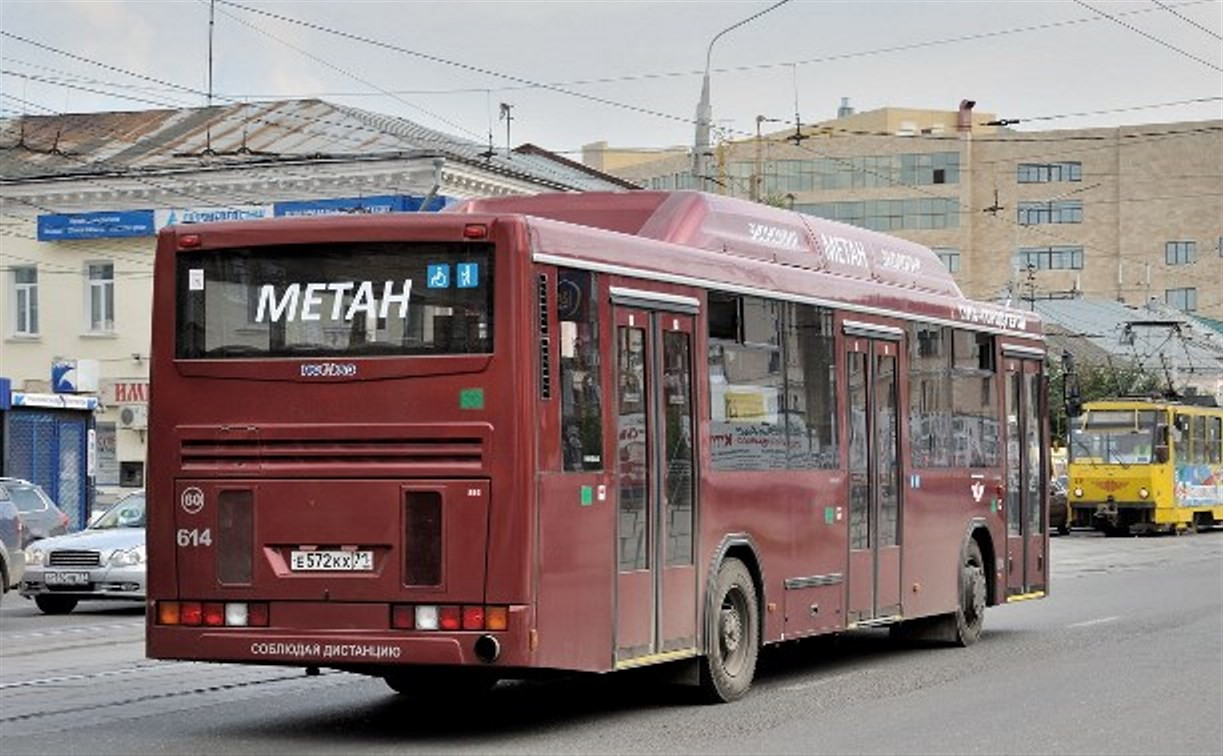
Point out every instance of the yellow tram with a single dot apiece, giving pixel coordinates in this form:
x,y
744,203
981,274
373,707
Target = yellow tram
x,y
1146,465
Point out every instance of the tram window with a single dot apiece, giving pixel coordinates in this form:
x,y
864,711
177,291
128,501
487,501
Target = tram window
x,y
580,365
811,390
930,416
1214,439
974,401
746,383
1200,454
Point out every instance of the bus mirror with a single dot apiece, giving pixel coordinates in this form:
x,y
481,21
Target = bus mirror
x,y
1071,394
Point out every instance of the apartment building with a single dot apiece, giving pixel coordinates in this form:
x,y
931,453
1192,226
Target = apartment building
x,y
1128,213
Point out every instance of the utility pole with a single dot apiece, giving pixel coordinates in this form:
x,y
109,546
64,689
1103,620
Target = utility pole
x,y
758,169
704,110
507,116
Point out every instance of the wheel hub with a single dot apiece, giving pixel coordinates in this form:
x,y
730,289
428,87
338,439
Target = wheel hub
x,y
732,630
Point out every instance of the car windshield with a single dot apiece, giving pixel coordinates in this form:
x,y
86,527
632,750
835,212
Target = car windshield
x,y
126,513
26,498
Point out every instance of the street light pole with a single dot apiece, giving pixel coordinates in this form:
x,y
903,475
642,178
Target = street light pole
x,y
704,111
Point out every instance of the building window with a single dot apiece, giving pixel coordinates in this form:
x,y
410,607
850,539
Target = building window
x,y
100,296
1049,258
854,172
890,214
25,301
1180,252
1056,211
950,257
1043,173
1185,299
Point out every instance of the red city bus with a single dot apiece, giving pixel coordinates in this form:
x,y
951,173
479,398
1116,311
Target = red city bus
x,y
579,432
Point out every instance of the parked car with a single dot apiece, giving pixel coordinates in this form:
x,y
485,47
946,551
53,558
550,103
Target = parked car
x,y
12,558
1059,506
41,517
104,561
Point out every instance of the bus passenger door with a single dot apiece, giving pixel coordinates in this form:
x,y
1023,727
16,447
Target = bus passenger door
x,y
1026,561
656,591
874,477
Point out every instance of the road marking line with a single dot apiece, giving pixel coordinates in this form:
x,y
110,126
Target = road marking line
x,y
1089,623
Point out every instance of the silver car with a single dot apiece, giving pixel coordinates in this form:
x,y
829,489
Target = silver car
x,y
104,561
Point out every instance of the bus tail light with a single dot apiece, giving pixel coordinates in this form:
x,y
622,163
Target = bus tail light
x,y
426,618
257,614
496,618
475,231
449,618
465,617
214,614
192,613
403,617
473,618
167,612
236,615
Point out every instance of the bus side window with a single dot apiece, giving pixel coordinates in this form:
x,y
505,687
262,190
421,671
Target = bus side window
x,y
581,393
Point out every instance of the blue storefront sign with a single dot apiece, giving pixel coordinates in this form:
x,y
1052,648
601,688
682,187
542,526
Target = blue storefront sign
x,y
386,203
104,224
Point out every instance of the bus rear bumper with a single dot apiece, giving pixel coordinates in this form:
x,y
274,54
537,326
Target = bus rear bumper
x,y
319,647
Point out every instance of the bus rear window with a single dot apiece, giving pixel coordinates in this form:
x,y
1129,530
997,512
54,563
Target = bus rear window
x,y
340,299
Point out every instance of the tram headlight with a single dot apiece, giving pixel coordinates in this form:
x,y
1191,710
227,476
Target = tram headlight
x,y
1078,492
1143,493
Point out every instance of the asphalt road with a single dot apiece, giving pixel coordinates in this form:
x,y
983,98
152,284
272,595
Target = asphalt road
x,y
1125,656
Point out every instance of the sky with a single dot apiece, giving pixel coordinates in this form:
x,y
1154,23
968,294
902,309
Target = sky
x,y
625,71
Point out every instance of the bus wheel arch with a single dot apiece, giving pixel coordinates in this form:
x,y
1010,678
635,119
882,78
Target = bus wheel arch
x,y
734,622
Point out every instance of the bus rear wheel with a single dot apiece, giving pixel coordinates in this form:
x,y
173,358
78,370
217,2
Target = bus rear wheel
x,y
970,616
729,665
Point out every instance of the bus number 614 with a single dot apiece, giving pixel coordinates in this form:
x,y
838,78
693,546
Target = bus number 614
x,y
194,537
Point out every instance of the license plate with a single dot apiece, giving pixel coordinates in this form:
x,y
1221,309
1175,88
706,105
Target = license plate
x,y
331,561
66,578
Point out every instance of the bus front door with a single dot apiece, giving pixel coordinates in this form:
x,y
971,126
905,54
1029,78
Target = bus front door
x,y
874,480
1025,485
656,591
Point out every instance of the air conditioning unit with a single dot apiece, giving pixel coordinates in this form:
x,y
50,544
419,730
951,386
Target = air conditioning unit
x,y
134,416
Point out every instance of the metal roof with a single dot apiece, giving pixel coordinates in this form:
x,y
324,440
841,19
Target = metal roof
x,y
291,131
1150,337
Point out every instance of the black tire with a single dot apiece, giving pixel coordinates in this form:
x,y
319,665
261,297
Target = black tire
x,y
55,604
729,665
970,615
438,684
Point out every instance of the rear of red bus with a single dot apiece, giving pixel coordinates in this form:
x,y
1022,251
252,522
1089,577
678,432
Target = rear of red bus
x,y
338,471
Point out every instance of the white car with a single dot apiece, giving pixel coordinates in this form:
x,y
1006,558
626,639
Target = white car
x,y
105,561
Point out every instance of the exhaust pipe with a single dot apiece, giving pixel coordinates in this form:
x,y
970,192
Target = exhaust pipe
x,y
488,649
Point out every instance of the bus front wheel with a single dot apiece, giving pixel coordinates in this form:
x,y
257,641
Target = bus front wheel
x,y
730,662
